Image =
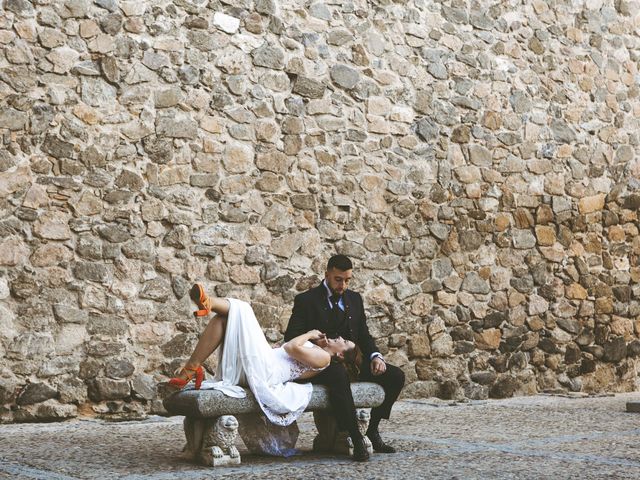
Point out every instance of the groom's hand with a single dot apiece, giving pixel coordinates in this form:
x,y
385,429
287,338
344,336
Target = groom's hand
x,y
378,367
315,334
318,338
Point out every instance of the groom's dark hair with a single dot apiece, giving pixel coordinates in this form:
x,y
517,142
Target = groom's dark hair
x,y
341,262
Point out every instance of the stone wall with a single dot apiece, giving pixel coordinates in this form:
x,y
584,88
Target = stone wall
x,y
479,160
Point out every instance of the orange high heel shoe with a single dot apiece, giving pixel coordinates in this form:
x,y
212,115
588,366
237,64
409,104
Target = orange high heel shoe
x,y
201,299
197,372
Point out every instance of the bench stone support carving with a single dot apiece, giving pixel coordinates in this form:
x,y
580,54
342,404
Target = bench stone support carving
x,y
211,441
212,422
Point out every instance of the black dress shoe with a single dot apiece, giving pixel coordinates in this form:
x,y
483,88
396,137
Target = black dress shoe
x,y
360,452
378,444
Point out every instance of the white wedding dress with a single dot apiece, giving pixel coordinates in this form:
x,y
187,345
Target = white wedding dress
x,y
247,359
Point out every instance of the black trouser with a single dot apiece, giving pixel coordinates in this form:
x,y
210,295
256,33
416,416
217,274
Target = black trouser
x,y
336,379
392,381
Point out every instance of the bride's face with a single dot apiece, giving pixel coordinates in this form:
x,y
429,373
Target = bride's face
x,y
339,345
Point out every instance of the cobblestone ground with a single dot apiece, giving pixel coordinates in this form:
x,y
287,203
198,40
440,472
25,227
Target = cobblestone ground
x,y
530,437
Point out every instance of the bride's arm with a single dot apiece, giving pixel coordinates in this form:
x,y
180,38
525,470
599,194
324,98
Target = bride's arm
x,y
314,357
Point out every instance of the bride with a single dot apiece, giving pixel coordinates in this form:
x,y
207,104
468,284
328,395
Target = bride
x,y
245,358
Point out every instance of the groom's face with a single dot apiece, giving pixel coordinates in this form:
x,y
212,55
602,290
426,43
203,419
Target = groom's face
x,y
338,280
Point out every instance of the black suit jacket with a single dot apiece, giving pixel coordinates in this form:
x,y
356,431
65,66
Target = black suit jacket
x,y
311,310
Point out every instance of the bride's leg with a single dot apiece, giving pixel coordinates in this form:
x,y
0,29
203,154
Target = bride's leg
x,y
209,340
207,304
214,332
219,306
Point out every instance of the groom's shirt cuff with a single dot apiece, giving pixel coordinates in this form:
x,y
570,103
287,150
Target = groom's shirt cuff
x,y
376,354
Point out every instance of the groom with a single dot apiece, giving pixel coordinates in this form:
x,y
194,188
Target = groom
x,y
339,312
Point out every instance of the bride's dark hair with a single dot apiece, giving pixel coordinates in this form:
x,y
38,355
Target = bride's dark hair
x,y
352,361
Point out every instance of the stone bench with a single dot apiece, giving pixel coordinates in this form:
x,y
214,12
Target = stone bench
x,y
212,421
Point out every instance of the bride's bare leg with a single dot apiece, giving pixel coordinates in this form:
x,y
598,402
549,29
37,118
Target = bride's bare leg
x,y
219,305
209,340
207,304
214,332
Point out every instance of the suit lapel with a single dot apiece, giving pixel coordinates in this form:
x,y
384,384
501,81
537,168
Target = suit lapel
x,y
323,305
347,306
348,313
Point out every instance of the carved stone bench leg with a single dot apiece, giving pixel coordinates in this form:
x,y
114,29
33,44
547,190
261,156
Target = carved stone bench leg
x,y
329,439
212,440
